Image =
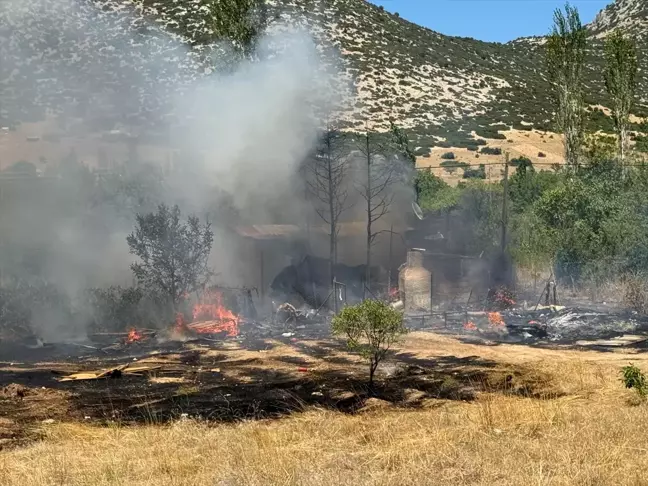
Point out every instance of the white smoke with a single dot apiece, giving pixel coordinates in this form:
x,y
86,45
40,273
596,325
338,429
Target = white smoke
x,y
101,65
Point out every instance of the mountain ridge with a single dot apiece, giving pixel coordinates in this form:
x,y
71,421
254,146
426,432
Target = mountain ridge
x,y
445,91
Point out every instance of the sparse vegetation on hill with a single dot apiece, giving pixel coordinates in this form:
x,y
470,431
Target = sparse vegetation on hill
x,y
432,85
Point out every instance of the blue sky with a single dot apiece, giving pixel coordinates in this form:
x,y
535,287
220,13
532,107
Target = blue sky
x,y
488,20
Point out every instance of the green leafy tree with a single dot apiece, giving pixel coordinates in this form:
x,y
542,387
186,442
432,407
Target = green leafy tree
x,y
401,143
370,328
621,83
527,185
173,254
565,56
599,148
589,219
241,22
480,211
433,193
532,245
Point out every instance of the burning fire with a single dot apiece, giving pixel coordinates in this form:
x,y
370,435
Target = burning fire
x,y
470,326
502,298
495,319
133,336
180,326
219,317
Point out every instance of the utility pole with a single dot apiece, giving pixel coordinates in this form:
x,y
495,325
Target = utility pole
x,y
389,268
505,204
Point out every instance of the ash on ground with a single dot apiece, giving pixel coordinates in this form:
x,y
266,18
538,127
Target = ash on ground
x,y
555,325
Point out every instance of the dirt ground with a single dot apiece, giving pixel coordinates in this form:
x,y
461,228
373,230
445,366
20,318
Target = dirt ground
x,y
297,412
225,382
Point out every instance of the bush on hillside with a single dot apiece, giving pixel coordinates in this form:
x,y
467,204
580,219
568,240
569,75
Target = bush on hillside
x,y
489,133
491,150
517,161
479,173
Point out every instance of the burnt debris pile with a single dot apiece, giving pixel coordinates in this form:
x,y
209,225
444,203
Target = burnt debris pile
x,y
545,325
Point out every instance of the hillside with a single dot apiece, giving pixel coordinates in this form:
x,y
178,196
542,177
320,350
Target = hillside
x,y
117,62
629,15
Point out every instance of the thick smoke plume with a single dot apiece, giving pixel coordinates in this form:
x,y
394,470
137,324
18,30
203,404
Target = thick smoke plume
x,y
236,139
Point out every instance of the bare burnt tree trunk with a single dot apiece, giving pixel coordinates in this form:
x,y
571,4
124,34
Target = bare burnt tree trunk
x,y
369,218
333,227
373,366
327,184
378,177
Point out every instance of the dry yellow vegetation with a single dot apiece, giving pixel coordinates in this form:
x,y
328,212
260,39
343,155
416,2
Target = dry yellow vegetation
x,y
518,143
592,435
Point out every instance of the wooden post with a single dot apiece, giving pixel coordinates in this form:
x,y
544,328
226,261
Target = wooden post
x,y
389,268
336,296
262,276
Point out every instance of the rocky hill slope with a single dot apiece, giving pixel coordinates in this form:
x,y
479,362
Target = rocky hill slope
x,y
118,61
629,15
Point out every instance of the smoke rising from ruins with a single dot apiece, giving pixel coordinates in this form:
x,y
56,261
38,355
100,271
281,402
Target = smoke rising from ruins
x,y
108,79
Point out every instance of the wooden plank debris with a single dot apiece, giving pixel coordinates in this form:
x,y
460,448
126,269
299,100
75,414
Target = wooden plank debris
x,y
126,369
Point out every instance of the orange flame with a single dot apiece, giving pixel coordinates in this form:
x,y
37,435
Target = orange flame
x,y
220,318
133,336
470,326
180,326
495,319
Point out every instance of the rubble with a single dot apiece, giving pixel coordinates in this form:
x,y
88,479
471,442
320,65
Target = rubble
x,y
547,324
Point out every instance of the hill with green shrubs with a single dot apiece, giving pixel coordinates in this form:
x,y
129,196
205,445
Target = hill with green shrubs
x,y
445,91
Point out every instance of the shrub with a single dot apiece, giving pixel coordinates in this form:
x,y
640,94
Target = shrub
x,y
370,328
490,133
479,173
454,163
519,160
541,154
641,144
451,165
116,309
173,253
633,377
448,156
491,150
635,295
28,307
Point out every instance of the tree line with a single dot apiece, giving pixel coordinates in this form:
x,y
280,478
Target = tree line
x,y
585,221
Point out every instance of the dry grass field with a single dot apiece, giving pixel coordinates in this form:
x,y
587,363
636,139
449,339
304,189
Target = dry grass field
x,y
576,425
